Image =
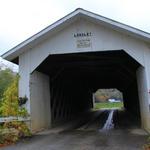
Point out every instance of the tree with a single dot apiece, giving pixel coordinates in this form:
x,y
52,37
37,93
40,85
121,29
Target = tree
x,y
103,95
10,101
6,78
10,105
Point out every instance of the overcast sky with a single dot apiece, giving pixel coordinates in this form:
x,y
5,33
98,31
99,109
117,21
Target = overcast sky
x,y
20,19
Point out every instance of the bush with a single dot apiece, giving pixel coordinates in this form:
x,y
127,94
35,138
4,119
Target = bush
x,y
20,127
8,137
12,131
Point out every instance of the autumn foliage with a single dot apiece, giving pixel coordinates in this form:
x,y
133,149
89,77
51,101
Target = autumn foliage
x,y
12,131
10,105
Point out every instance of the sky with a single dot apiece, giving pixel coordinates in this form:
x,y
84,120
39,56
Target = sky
x,y
20,19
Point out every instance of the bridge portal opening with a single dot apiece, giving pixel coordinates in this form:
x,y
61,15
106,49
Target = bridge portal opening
x,y
73,78
108,99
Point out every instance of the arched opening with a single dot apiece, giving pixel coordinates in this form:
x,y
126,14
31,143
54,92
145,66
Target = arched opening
x,y
73,78
108,99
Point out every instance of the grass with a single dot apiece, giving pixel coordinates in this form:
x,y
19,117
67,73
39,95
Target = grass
x,y
109,105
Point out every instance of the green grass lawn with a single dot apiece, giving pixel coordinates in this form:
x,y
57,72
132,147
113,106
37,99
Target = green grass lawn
x,y
108,105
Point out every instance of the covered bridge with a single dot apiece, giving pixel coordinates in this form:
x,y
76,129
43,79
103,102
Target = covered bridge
x,y
61,66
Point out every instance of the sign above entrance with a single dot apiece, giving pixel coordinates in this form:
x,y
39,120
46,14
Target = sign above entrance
x,y
84,34
83,43
83,39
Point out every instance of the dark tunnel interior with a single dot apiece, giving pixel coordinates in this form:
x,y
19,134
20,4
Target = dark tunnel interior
x,y
74,77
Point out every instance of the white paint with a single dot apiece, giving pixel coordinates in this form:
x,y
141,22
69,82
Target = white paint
x,y
67,20
143,97
40,101
103,39
12,118
24,81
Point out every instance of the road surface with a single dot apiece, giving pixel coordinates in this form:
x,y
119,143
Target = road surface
x,y
85,133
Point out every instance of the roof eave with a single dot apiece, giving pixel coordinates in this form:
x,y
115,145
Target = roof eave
x,y
27,44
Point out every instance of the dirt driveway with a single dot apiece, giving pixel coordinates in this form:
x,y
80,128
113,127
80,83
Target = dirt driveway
x,y
85,134
83,140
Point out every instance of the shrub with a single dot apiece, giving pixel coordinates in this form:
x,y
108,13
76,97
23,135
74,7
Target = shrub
x,y
8,137
20,127
12,131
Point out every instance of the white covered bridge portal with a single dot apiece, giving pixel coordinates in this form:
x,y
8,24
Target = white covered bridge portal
x,y
61,66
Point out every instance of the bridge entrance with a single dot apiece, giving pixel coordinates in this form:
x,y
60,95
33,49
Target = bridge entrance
x,y
74,77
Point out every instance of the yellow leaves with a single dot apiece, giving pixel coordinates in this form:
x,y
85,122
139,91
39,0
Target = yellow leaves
x,y
10,107
10,104
10,100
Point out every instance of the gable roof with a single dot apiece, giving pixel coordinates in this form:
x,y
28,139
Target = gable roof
x,y
58,25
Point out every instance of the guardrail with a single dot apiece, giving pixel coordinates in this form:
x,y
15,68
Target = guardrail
x,y
12,118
